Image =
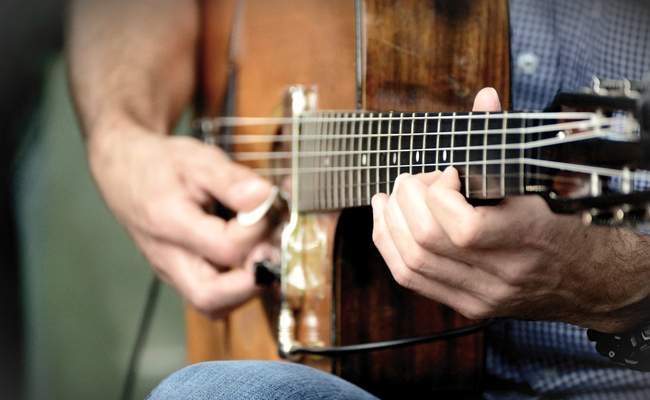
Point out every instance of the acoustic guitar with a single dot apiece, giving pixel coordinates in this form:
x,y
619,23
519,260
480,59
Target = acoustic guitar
x,y
379,64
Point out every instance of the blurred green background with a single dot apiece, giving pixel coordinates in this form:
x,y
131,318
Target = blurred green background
x,y
84,283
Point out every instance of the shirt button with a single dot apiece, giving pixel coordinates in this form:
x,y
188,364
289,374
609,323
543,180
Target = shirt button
x,y
527,62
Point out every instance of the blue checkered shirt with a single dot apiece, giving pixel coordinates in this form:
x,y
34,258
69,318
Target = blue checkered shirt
x,y
560,45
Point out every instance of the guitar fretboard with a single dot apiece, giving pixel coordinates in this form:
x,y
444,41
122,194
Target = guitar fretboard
x,y
346,158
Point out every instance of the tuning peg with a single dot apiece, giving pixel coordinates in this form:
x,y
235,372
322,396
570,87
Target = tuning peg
x,y
618,213
588,216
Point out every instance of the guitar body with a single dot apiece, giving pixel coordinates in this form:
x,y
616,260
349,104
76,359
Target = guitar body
x,y
410,55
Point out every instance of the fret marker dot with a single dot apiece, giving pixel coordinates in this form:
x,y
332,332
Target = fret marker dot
x,y
363,160
394,158
444,155
417,156
326,161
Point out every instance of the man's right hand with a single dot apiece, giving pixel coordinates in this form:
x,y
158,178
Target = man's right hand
x,y
158,187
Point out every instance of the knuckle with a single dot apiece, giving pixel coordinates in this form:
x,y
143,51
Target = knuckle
x,y
415,259
502,295
424,233
403,277
465,236
476,311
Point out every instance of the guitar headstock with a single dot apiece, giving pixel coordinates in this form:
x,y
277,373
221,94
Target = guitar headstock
x,y
600,166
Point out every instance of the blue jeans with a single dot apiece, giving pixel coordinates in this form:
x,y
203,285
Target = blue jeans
x,y
255,380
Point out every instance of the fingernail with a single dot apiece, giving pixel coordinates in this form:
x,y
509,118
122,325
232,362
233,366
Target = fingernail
x,y
398,180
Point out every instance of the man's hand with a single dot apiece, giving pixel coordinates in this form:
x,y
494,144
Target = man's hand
x,y
157,187
515,259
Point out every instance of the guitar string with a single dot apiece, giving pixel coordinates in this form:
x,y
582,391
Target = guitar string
x,y
584,169
217,122
279,155
624,123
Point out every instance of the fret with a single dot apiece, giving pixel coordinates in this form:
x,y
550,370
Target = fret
x,y
424,140
388,152
405,151
398,157
522,154
318,193
485,154
467,155
328,165
503,154
366,160
310,144
453,137
351,162
438,134
377,154
336,163
412,138
357,165
344,163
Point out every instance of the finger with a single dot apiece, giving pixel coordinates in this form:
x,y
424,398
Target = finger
x,y
222,242
413,230
487,99
211,292
236,186
462,301
480,227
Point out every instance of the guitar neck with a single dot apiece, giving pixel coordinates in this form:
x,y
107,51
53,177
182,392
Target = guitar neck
x,y
346,158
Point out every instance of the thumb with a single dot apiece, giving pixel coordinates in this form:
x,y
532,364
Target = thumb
x,y
235,186
487,100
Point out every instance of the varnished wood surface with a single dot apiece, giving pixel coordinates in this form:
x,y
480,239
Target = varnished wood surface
x,y
417,56
282,43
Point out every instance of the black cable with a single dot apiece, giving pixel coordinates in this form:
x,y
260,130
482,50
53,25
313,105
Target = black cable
x,y
140,340
391,344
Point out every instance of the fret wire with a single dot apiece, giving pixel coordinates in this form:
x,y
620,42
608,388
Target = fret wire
x,y
359,152
310,162
322,197
438,143
313,161
319,162
335,145
467,154
521,155
411,152
424,140
453,126
351,162
377,158
388,150
314,197
399,146
367,157
503,155
328,176
485,143
345,163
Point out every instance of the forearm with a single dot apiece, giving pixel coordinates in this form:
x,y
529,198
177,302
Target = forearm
x,y
617,297
131,63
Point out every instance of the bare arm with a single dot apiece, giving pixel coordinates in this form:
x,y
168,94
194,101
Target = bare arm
x,y
132,73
